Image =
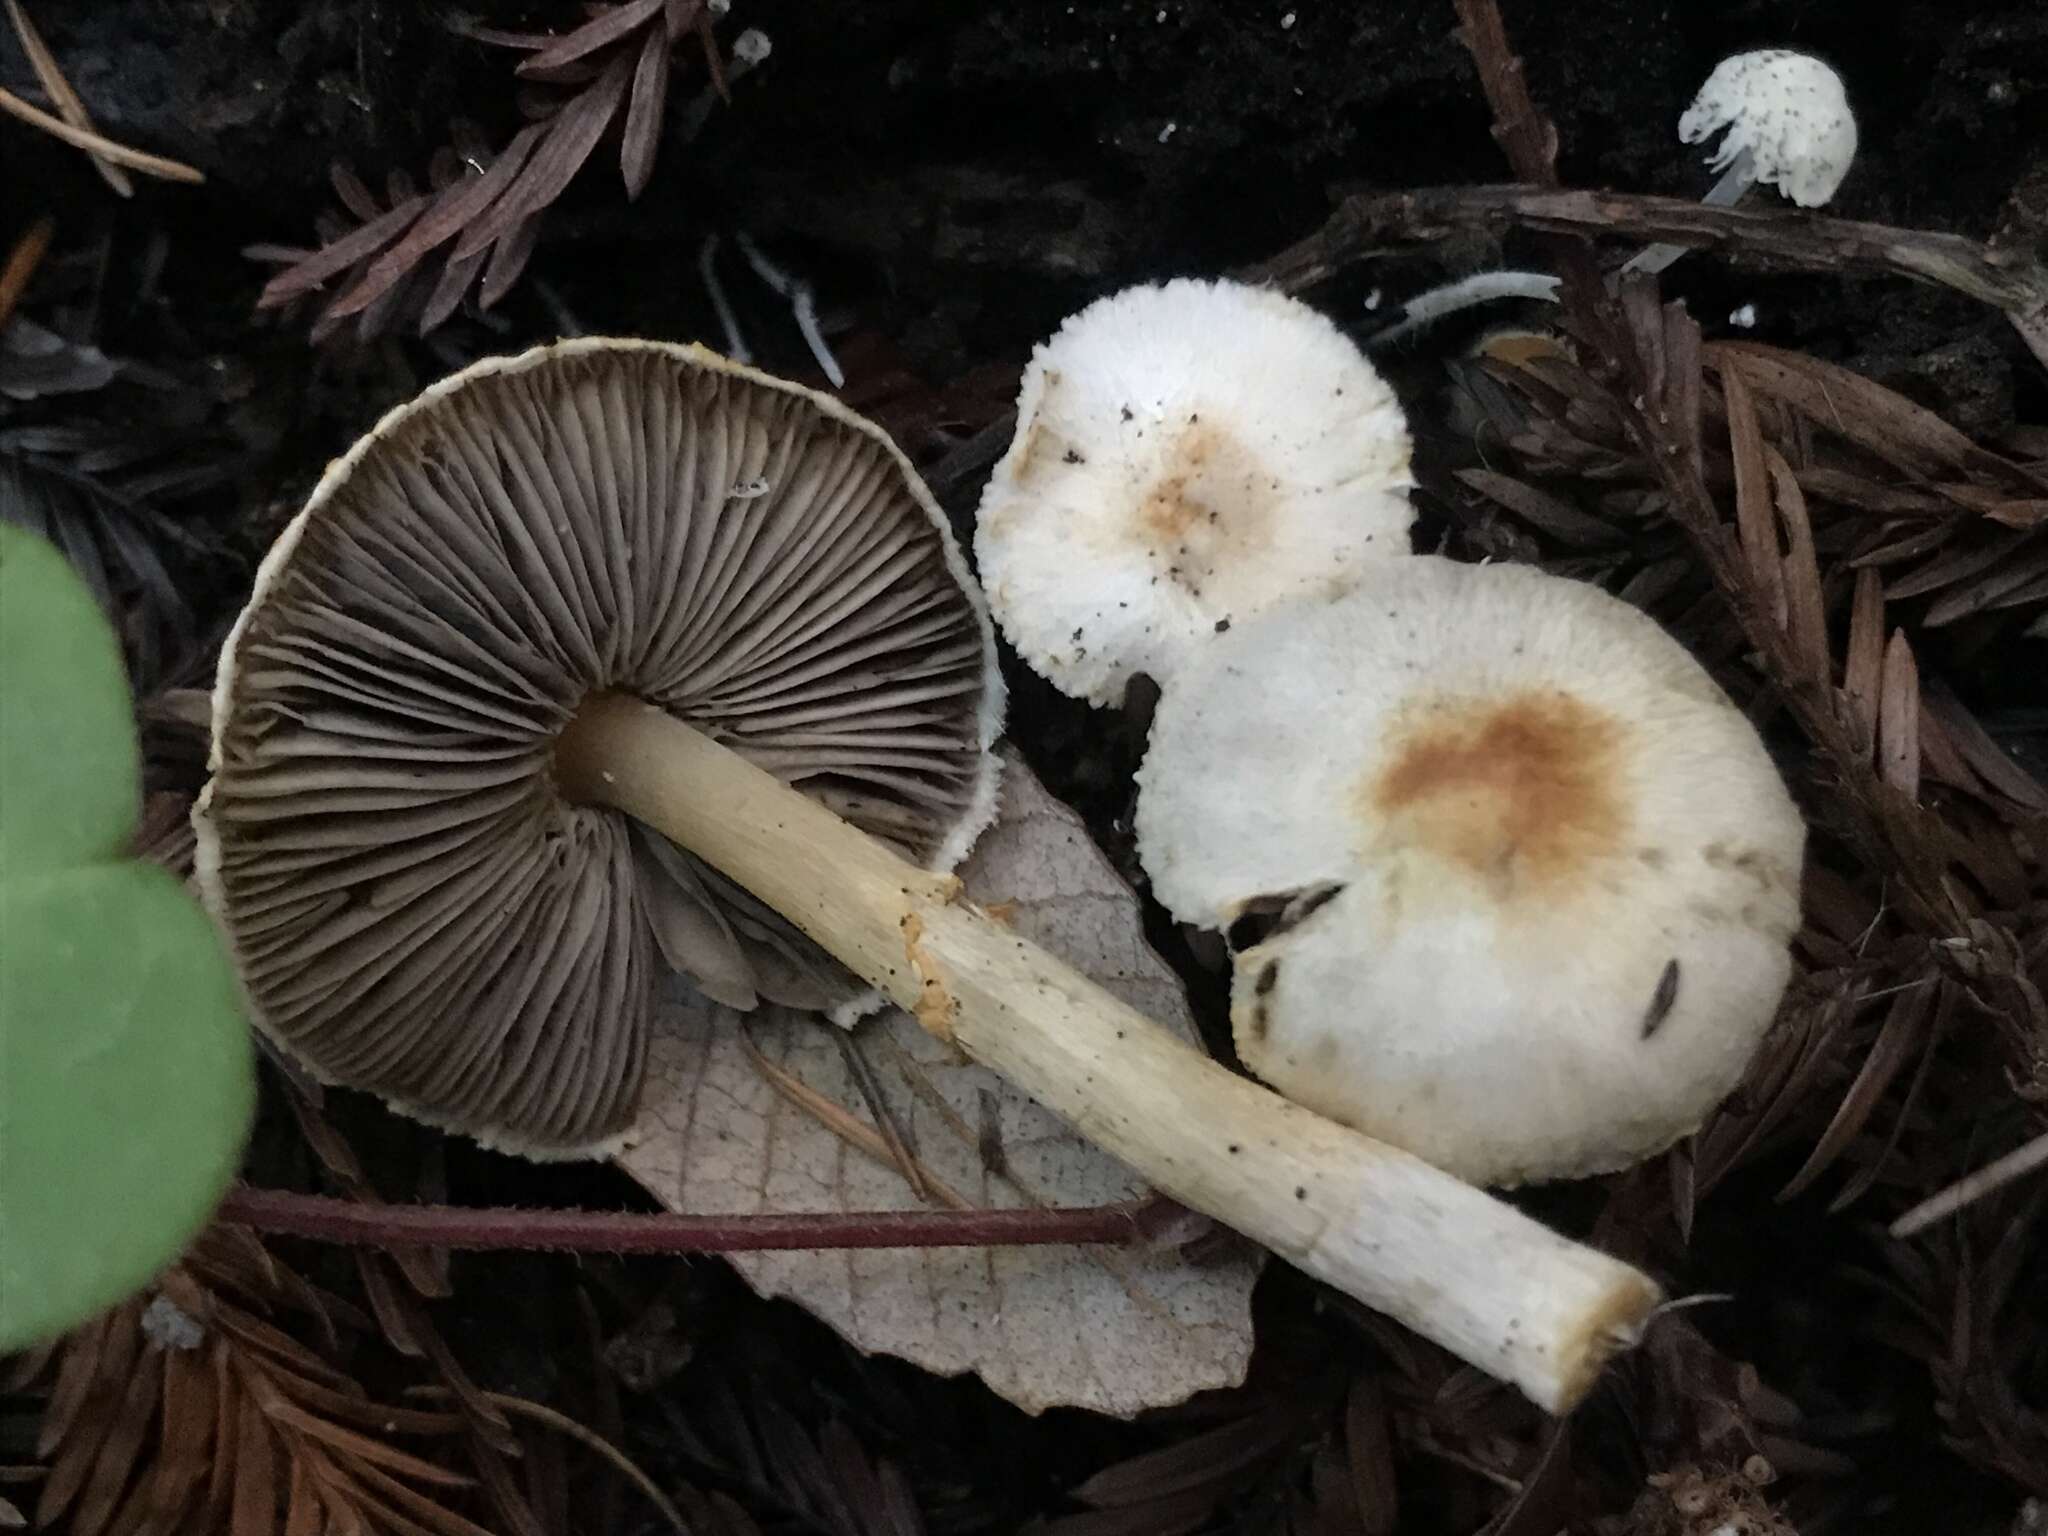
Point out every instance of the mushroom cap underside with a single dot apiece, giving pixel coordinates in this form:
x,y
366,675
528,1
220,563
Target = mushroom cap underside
x,y
1511,882
1186,455
414,908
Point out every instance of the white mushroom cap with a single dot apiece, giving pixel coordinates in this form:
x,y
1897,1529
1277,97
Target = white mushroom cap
x,y
1531,877
1186,456
1788,110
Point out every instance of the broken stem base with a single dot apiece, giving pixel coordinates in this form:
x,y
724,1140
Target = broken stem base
x,y
1460,1267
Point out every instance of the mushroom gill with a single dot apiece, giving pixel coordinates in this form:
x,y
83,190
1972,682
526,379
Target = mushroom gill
x,y
415,909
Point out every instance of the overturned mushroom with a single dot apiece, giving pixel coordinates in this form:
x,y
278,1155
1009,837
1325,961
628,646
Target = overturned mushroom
x,y
414,907
1511,881
1186,456
609,576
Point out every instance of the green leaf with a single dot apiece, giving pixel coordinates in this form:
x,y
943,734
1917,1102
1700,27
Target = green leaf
x,y
70,769
126,1078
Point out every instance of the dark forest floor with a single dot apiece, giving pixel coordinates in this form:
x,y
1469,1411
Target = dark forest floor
x,y
954,179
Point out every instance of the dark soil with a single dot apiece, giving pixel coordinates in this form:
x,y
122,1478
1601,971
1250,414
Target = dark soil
x,y
955,178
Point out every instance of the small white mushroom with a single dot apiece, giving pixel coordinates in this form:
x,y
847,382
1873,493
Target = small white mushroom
x,y
1787,113
1512,881
1186,456
1787,125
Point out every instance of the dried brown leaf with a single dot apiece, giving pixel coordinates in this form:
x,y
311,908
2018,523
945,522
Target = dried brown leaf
x,y
380,316
1117,1329
113,1361
1882,423
449,287
1992,762
1642,312
425,1270
114,1471
571,134
678,16
227,1440
1683,1169
1953,565
354,192
1946,1003
2014,579
510,1504
508,259
2000,506
365,1412
356,1448
450,213
1551,514
1852,488
303,1511
1657,581
417,1515
1175,1516
1805,606
394,1318
1883,551
642,134
274,1345
1863,664
618,22
255,1489
184,1451
1796,1053
1939,759
336,257
76,1371
1898,718
1684,390
1905,1028
1755,519
1836,910
1369,1457
1212,1460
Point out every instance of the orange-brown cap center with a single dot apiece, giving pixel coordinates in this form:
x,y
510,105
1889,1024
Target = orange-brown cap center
x,y
1522,792
1210,503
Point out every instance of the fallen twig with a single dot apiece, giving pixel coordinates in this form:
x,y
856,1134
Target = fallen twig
x,y
97,144
61,95
325,1219
2009,281
23,258
1974,1187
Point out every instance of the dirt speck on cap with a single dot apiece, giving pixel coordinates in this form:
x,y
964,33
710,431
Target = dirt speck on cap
x,y
1210,499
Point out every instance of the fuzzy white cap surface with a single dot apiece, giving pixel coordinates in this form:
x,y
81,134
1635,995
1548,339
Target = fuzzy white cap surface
x,y
1539,876
1187,455
1788,110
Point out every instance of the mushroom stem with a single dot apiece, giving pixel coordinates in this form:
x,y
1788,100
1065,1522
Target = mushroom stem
x,y
1734,184
1460,1267
1432,305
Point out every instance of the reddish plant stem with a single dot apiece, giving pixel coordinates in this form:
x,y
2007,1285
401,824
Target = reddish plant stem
x,y
324,1219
